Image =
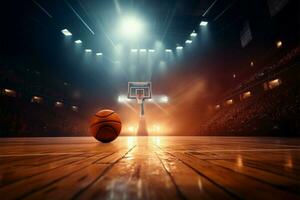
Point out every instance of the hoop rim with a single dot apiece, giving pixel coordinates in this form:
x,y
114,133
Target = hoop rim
x,y
140,98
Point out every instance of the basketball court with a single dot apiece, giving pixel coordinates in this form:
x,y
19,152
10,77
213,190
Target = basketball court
x,y
150,100
150,168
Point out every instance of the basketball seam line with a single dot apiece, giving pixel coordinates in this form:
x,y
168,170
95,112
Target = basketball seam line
x,y
105,115
97,123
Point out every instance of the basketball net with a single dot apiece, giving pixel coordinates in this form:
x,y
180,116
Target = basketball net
x,y
139,98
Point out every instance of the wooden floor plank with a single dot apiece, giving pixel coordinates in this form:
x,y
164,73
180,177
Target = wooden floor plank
x,y
231,181
32,184
150,168
190,183
67,188
139,173
20,172
282,182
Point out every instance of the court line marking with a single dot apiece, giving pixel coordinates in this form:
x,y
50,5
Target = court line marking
x,y
199,151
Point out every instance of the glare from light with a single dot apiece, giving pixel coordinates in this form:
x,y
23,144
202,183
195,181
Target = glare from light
x,y
134,50
203,23
66,32
78,42
193,34
164,99
239,161
151,50
88,50
279,44
143,50
229,102
156,140
179,47
131,129
99,54
58,104
122,98
8,90
188,41
74,108
131,141
168,50
36,99
131,27
156,127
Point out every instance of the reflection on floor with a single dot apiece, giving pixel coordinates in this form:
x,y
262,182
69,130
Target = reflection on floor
x,y
150,168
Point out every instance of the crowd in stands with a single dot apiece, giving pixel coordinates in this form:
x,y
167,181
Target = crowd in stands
x,y
271,111
22,118
286,61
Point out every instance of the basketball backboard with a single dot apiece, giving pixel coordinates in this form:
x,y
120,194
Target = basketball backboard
x,y
139,90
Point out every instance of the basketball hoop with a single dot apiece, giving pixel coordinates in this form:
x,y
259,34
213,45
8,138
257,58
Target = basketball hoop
x,y
139,91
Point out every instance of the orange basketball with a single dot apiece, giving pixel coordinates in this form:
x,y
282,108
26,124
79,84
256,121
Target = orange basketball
x,y
105,126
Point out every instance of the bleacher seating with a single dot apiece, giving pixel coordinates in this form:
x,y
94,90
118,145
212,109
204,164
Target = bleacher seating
x,y
267,112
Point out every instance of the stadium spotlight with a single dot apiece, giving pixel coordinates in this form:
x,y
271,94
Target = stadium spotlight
x,y
134,50
155,128
164,99
151,50
188,41
131,129
66,32
168,50
10,93
78,42
131,26
58,104
122,99
99,54
88,50
279,44
179,48
74,108
143,50
193,34
203,23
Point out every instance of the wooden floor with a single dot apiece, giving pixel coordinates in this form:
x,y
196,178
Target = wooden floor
x,y
150,168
